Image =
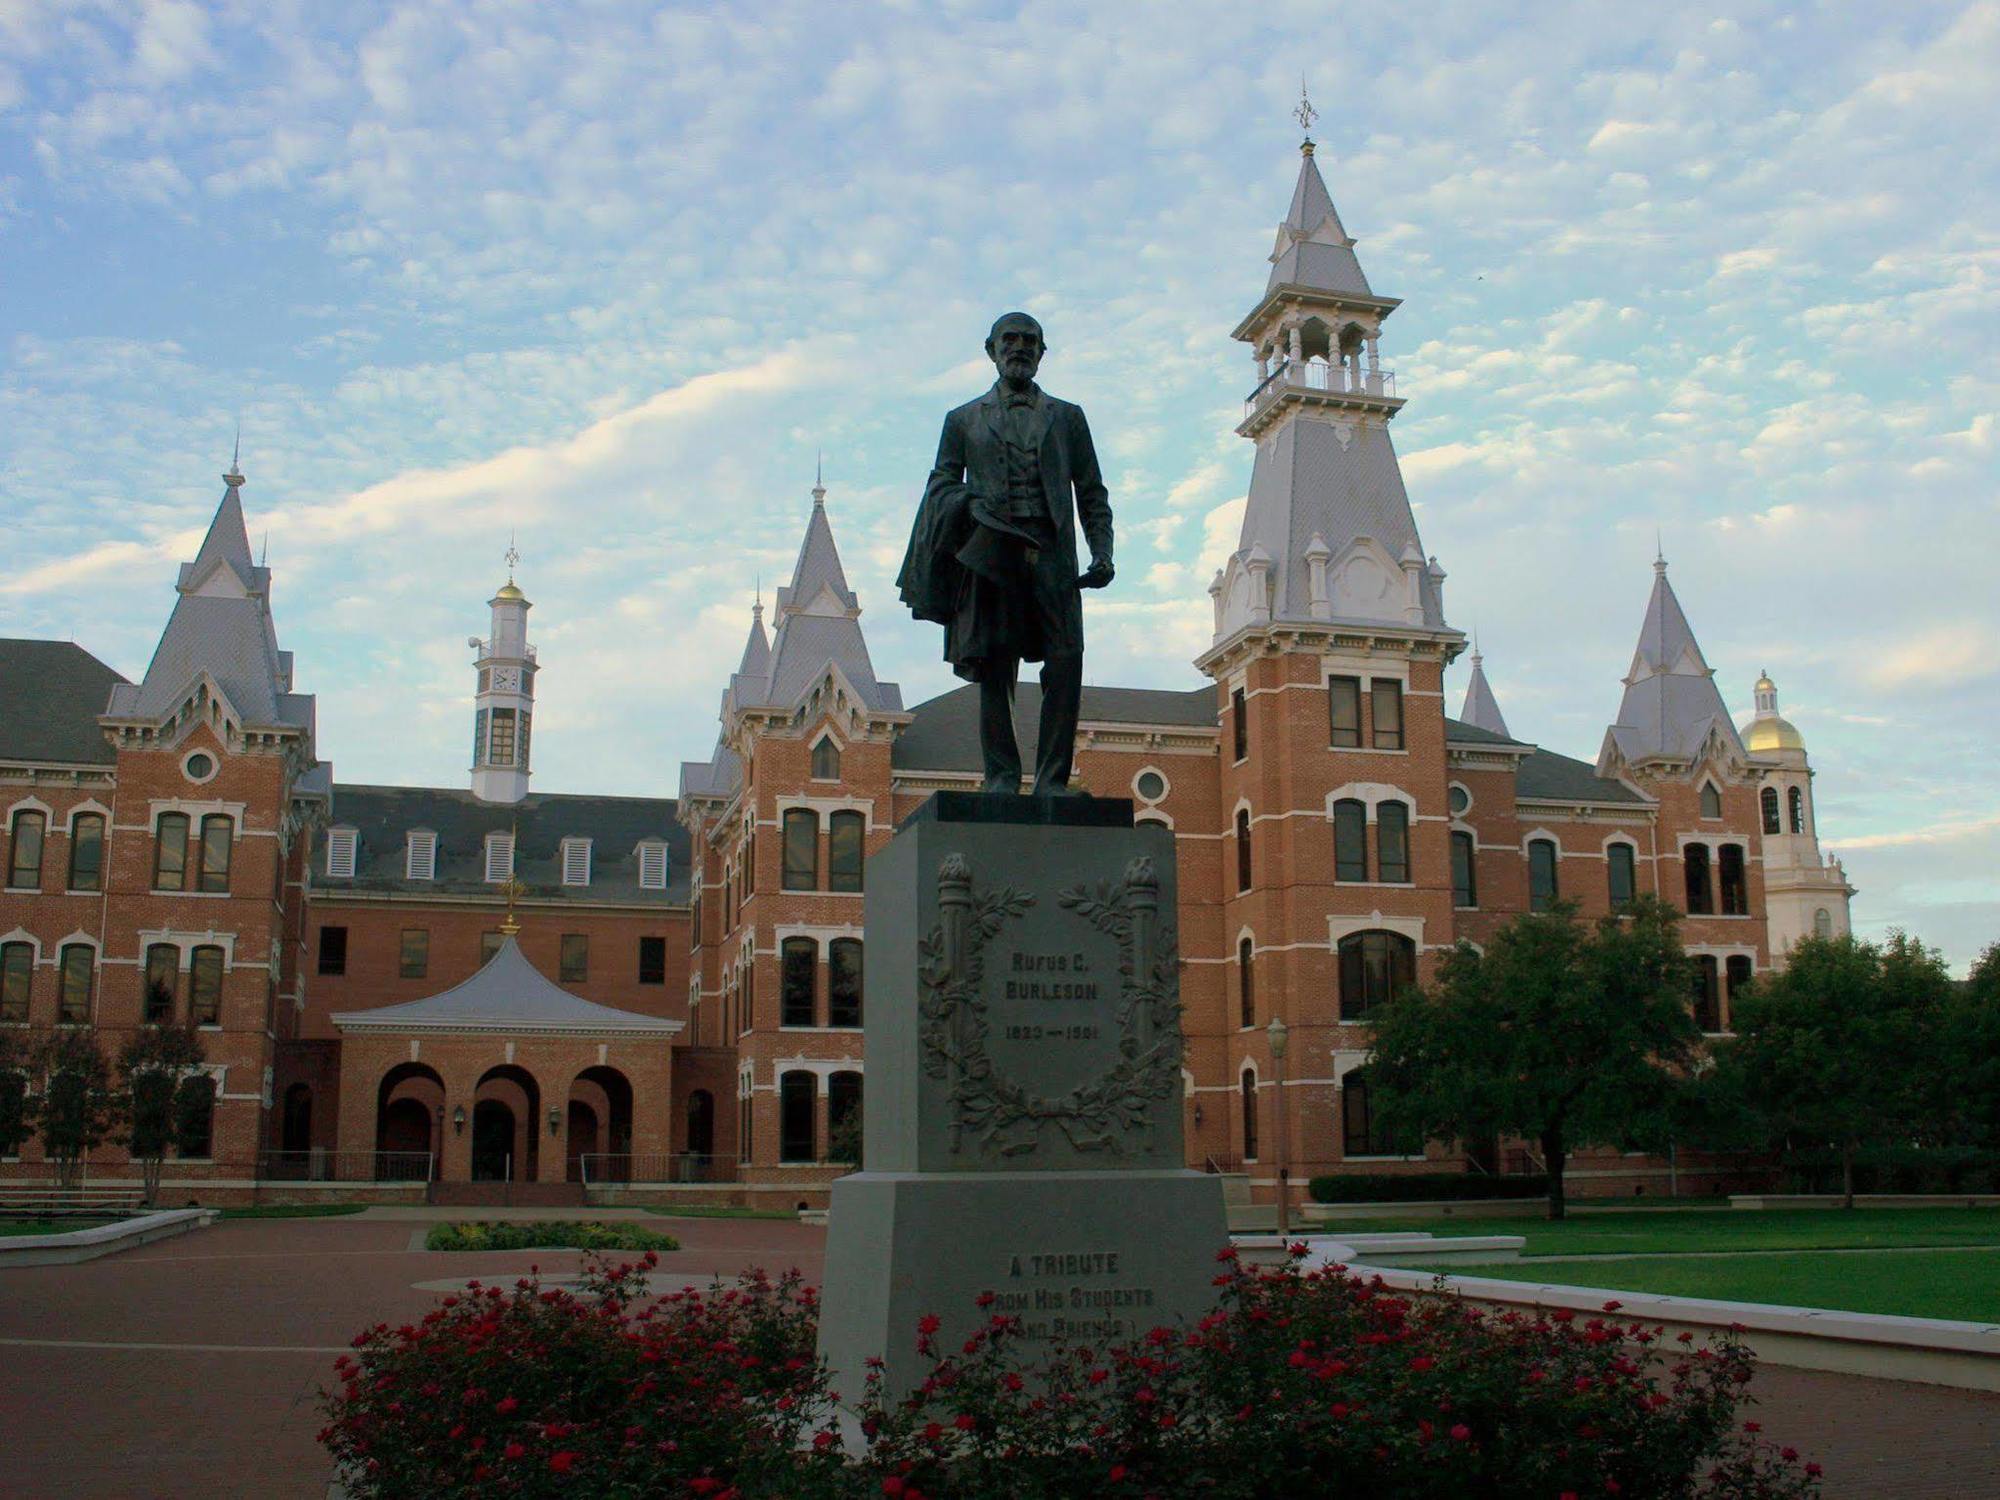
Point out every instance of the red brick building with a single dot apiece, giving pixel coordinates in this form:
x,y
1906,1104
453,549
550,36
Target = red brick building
x,y
408,983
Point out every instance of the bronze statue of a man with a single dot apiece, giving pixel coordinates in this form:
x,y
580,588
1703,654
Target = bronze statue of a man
x,y
992,556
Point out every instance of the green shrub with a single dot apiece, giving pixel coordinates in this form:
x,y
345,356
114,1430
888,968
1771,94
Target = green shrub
x,y
1420,1187
1896,1169
546,1234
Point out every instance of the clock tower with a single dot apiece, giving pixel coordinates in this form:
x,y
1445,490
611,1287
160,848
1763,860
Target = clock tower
x,y
505,703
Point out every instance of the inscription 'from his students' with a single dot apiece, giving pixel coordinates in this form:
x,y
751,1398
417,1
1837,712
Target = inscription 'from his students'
x,y
1069,1309
1050,976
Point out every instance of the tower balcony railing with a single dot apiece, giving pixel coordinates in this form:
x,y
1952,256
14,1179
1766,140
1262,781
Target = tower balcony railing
x,y
489,648
1320,375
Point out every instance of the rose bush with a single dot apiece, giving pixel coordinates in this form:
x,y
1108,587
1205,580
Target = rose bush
x,y
1319,1377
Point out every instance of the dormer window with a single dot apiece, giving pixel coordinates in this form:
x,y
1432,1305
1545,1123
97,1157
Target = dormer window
x,y
420,855
576,861
499,857
826,760
652,866
340,847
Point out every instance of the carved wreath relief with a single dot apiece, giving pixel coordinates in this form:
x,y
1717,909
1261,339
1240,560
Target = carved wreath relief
x,y
999,1113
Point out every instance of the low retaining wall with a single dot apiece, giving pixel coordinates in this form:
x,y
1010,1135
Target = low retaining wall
x,y
74,1245
1427,1208
1864,1200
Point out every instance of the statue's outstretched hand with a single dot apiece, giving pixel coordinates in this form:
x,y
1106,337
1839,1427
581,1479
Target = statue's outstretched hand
x,y
1097,575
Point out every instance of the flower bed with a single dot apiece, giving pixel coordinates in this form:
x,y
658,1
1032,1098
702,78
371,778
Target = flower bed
x,y
546,1234
1317,1379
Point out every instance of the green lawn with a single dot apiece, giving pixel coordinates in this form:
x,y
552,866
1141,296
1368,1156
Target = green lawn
x,y
294,1211
1718,1229
47,1226
1917,1284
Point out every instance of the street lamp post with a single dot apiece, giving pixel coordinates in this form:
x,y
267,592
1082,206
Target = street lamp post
x,y
1280,1036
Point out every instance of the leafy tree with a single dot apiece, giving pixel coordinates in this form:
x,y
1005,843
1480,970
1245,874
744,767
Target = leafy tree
x,y
1832,1050
1965,1057
15,1124
1983,983
1564,1033
156,1064
77,1109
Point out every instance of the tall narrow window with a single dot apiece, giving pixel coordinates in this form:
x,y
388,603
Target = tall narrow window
x,y
1732,881
86,852
844,831
1361,1129
798,967
413,957
17,974
801,849
500,742
217,832
194,1104
843,1117
1350,840
652,960
163,966
1249,1115
479,721
1740,972
170,852
24,862
1711,800
1542,884
1695,875
1239,724
1707,993
333,950
826,760
79,963
1343,711
750,991
843,982
205,986
1620,875
1822,923
1375,967
1385,704
575,957
1246,983
1797,798
1242,849
1768,801
795,1117
1464,874
1392,843
653,868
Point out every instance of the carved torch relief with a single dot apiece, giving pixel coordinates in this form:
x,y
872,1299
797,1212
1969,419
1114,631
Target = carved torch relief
x,y
1079,1035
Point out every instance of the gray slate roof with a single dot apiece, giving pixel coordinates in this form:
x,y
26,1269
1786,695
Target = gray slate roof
x,y
507,993
1314,250
1458,732
1481,708
384,815
1547,776
943,735
51,693
1671,705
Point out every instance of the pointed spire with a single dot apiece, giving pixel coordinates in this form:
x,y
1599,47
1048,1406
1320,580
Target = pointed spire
x,y
1481,709
1671,703
756,660
1314,249
818,567
819,482
228,539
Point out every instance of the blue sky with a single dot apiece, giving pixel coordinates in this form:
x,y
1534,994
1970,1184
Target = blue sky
x,y
610,274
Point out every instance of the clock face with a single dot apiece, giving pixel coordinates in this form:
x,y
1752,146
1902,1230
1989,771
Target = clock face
x,y
506,680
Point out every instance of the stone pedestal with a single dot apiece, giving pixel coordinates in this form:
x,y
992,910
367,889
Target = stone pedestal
x,y
1023,1109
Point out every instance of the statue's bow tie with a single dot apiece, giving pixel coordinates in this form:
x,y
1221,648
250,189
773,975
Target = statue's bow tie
x,y
1020,400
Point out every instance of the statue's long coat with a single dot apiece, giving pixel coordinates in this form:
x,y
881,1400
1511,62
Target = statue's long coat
x,y
962,548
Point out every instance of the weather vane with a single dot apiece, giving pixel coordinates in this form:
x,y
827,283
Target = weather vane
x,y
512,555
1305,114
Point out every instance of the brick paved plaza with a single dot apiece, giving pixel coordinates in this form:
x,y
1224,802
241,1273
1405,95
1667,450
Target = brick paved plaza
x,y
190,1368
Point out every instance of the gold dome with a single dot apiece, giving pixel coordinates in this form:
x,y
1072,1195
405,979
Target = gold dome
x,y
509,593
1765,685
1772,733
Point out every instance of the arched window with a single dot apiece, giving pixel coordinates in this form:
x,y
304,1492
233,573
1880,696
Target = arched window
x,y
1798,809
746,1120
843,982
1350,840
750,994
194,1112
844,850
1543,888
205,987
217,831
1385,708
163,965
1375,967
1700,891
1732,881
170,853
798,966
826,760
1392,843
1361,1130
701,1126
17,974
1711,800
1707,993
1239,724
24,861
1242,849
1740,972
1768,801
795,1118
801,849
79,964
843,1118
86,852
1621,878
1823,923
1249,1115
1246,985
1464,876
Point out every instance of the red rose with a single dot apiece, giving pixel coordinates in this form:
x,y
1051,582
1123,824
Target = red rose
x,y
928,1324
564,1461
513,1450
965,1421
1460,1433
507,1406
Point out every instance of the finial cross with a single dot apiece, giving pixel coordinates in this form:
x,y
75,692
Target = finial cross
x,y
1305,114
512,556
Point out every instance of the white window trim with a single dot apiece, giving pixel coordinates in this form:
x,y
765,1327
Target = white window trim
x,y
648,847
575,850
498,846
1371,794
84,810
1470,800
22,935
337,838
410,847
1166,789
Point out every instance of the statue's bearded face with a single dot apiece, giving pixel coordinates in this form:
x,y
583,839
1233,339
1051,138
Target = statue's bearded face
x,y
1016,352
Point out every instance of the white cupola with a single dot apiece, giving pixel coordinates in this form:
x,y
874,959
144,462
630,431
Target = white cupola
x,y
504,706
